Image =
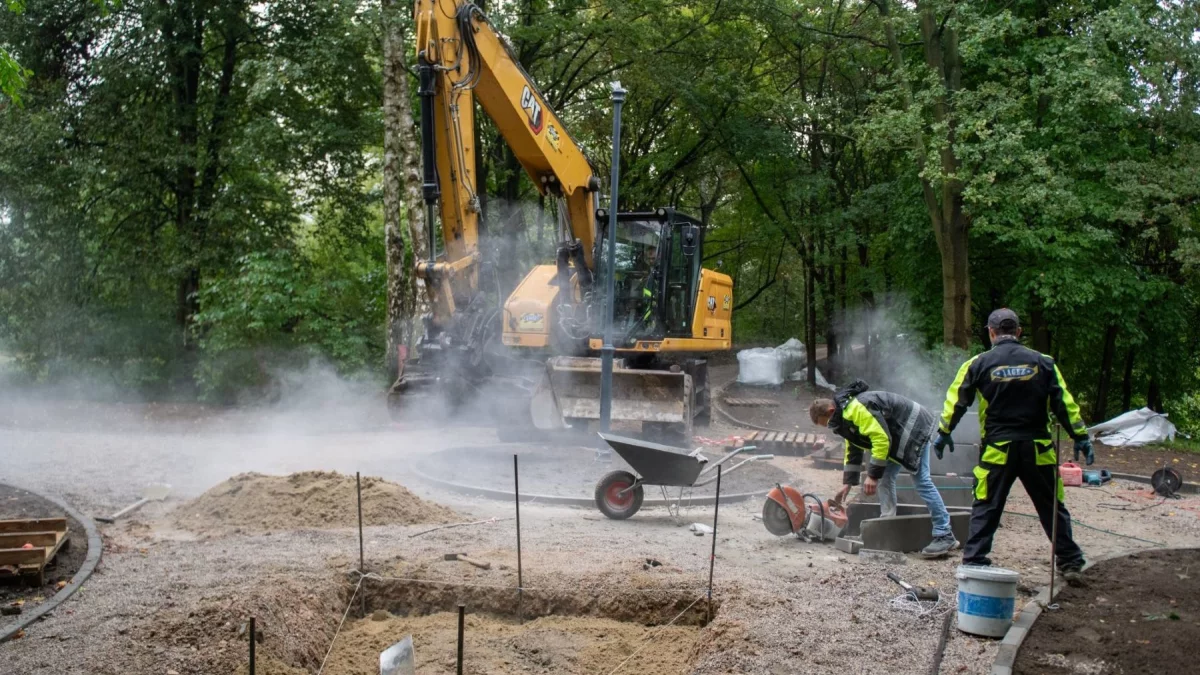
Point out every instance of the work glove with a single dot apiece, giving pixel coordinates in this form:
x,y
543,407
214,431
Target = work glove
x,y
943,441
1084,445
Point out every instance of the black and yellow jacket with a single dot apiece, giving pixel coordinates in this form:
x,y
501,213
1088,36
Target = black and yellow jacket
x,y
888,426
1018,388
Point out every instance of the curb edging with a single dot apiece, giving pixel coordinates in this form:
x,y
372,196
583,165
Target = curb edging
x,y
471,490
95,549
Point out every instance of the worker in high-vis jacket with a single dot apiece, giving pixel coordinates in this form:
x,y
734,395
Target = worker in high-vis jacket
x,y
896,433
1017,388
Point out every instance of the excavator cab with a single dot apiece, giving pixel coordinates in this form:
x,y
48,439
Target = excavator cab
x,y
656,274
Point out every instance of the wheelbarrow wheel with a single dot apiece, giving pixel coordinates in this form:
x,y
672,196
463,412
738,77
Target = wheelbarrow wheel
x,y
615,499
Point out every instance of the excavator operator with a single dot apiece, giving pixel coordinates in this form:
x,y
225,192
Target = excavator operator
x,y
647,325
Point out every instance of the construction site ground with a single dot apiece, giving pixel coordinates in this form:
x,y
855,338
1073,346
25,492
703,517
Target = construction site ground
x,y
167,599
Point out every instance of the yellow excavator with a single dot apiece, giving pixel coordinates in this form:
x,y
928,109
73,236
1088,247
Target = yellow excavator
x,y
533,355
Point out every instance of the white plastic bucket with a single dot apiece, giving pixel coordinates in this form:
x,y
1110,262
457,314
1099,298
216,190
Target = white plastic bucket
x,y
987,597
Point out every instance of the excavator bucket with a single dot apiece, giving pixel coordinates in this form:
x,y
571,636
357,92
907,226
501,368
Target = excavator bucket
x,y
570,392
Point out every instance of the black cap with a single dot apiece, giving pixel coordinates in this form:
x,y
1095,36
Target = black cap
x,y
1003,318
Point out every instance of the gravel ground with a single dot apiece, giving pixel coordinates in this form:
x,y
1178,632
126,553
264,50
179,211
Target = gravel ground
x,y
165,600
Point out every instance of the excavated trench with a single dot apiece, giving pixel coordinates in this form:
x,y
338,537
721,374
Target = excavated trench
x,y
573,630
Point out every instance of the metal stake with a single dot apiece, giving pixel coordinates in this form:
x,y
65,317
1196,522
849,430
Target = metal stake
x,y
520,573
712,558
606,350
1054,522
362,608
462,612
252,631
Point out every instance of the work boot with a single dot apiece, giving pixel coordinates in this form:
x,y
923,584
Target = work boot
x,y
940,546
978,562
1072,573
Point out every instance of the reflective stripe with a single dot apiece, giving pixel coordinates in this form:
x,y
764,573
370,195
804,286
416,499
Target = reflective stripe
x,y
1045,453
857,414
1077,424
908,427
996,453
983,404
1062,494
981,476
952,395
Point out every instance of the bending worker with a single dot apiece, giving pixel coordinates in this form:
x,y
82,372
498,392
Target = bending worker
x,y
1017,387
897,433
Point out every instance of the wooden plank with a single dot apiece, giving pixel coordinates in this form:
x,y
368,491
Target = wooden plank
x,y
34,525
793,437
23,556
38,539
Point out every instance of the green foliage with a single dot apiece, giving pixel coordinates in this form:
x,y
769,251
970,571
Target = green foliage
x,y
277,310
212,240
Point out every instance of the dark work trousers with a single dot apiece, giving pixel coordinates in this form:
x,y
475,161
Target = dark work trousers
x,y
1039,483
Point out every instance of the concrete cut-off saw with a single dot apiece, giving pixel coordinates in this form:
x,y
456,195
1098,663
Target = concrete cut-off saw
x,y
785,512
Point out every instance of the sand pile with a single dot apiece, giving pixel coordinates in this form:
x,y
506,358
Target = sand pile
x,y
309,500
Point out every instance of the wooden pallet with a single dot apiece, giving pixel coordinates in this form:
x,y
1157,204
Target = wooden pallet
x,y
793,444
751,403
47,535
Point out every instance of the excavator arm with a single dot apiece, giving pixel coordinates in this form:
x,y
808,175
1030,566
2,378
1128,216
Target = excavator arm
x,y
462,59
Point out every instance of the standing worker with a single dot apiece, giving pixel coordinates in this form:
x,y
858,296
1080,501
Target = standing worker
x,y
1017,387
896,433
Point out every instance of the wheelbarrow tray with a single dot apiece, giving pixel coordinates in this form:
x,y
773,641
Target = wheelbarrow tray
x,y
655,463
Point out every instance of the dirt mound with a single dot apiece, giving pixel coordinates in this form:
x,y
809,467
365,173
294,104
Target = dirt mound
x,y
307,500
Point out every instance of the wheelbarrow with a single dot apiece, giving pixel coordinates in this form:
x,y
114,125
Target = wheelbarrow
x,y
619,494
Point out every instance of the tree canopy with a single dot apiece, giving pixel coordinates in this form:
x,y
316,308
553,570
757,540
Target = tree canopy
x,y
190,189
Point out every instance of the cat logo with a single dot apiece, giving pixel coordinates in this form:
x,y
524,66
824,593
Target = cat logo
x,y
533,108
726,303
552,136
1014,373
712,303
530,322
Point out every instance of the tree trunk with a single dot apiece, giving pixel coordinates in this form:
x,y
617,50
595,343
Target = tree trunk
x,y
1153,396
1100,410
407,297
946,213
810,323
1127,382
1038,327
945,206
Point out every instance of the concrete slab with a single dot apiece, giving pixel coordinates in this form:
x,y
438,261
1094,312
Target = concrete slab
x,y
857,512
961,462
882,557
908,533
851,546
955,490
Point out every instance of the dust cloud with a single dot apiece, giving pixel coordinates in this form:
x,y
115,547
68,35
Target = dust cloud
x,y
100,445
890,354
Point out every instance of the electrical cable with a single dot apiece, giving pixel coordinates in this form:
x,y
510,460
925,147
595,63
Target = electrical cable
x,y
1091,527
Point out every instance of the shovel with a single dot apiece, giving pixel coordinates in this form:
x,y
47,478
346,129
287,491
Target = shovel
x,y
153,493
399,659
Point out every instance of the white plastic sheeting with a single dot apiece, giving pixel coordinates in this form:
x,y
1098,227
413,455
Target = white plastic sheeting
x,y
760,367
1136,427
769,366
793,355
